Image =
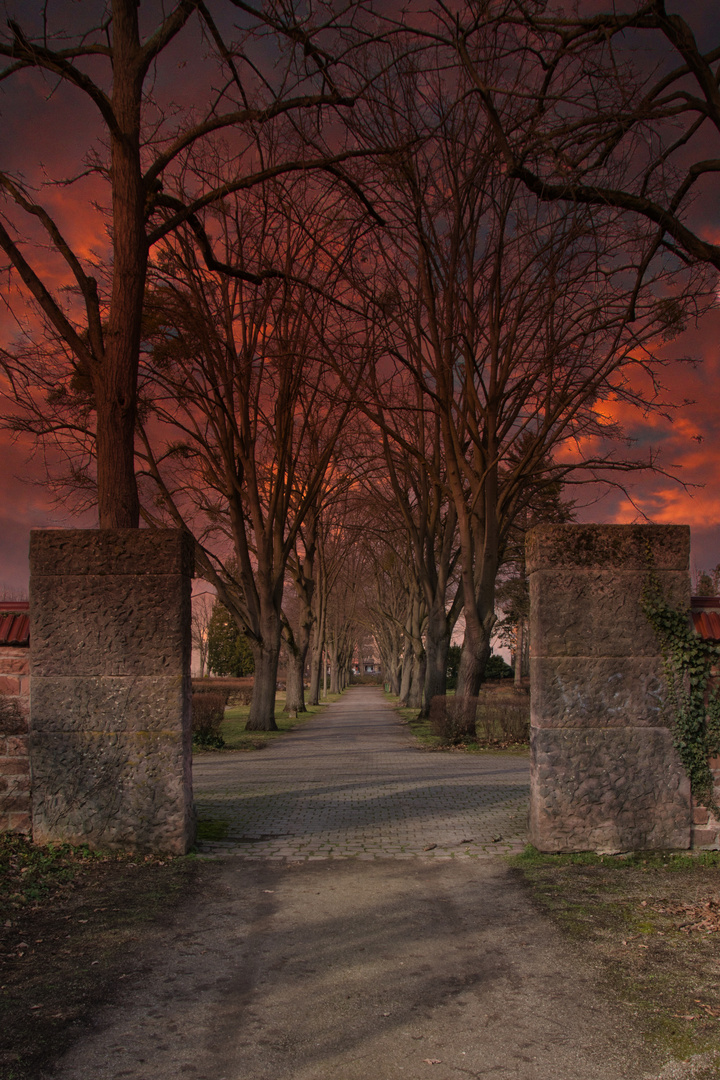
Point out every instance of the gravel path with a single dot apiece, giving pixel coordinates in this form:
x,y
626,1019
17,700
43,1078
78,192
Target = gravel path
x,y
350,783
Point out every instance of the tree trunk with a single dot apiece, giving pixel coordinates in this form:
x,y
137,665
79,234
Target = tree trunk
x,y
294,684
334,672
316,654
519,650
115,378
267,655
407,666
296,645
315,675
417,682
473,660
390,664
417,678
437,643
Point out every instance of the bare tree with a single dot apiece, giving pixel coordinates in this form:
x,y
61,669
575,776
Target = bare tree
x,y
335,538
524,327
138,157
202,605
242,415
344,612
419,488
622,109
388,607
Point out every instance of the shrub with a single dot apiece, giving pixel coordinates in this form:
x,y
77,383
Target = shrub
x,y
452,719
496,668
208,713
503,718
243,696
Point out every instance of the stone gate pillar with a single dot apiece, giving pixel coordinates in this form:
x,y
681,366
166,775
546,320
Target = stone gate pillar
x,y
110,737
604,773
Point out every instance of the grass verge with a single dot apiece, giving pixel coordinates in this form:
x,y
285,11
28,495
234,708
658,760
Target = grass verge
x,y
421,731
652,923
237,738
73,925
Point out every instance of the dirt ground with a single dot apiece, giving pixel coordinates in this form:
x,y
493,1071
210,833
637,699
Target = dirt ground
x,y
73,927
652,924
550,968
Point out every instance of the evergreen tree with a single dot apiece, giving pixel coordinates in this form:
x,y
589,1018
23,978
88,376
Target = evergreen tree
x,y
228,650
708,583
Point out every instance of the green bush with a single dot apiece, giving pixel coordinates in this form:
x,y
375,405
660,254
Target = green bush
x,y
496,668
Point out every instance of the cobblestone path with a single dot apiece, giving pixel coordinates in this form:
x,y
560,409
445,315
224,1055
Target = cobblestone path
x,y
350,783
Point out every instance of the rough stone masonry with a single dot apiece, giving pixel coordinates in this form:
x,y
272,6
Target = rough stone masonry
x,y
110,729
604,774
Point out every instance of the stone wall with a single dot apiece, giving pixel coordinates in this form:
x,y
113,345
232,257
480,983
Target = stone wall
x,y
110,735
14,757
604,773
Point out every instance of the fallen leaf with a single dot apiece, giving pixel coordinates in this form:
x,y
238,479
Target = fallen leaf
x,y
432,1061
708,1010
429,847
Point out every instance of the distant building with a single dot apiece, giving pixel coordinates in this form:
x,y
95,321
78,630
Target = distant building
x,y
366,657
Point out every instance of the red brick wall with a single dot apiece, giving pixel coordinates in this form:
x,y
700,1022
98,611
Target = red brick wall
x,y
706,824
15,806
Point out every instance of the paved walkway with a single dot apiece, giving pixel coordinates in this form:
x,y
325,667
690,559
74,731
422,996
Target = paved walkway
x,y
350,783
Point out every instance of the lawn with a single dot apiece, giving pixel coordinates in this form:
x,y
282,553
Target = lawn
x,y
651,923
237,738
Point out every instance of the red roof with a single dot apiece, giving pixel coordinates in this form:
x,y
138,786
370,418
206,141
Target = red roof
x,y
705,612
15,622
707,624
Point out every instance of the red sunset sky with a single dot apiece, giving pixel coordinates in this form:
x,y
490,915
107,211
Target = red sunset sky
x,y
688,443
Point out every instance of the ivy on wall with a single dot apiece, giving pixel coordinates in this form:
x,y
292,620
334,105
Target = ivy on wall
x,y
688,661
